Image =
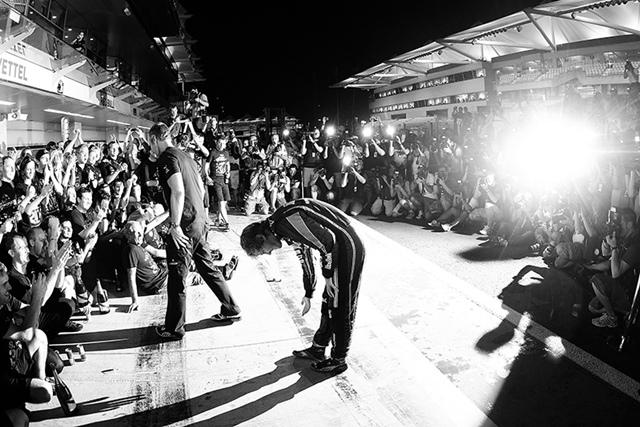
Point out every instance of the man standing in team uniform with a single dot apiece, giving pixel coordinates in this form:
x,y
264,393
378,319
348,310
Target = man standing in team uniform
x,y
184,193
312,224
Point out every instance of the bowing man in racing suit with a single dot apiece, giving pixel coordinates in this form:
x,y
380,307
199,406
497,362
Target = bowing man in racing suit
x,y
311,224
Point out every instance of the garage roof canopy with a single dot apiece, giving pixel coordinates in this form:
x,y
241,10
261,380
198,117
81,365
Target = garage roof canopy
x,y
542,28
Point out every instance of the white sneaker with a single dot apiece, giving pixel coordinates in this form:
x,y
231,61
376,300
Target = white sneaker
x,y
605,321
446,227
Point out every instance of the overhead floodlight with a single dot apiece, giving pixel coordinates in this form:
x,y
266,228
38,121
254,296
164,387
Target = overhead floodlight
x,y
330,130
286,133
119,123
390,130
367,132
67,113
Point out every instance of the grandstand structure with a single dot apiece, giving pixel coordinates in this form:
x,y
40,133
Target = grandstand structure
x,y
588,47
96,66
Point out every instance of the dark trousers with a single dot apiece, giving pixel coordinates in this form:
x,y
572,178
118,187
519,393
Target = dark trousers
x,y
55,314
179,262
339,305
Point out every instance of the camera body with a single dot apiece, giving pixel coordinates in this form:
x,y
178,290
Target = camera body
x,y
613,225
8,210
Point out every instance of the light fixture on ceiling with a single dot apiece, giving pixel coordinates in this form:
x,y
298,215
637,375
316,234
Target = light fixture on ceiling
x,y
119,123
67,113
6,103
144,127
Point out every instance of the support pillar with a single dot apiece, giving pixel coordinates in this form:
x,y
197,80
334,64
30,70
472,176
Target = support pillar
x,y
3,136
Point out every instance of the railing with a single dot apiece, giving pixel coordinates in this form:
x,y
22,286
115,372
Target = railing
x,y
590,70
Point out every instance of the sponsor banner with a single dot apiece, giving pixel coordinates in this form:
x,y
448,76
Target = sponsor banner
x,y
15,69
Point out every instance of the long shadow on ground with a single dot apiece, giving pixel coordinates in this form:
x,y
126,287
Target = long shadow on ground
x,y
183,410
121,339
543,388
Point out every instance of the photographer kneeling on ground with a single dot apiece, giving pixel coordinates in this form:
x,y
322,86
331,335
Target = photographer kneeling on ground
x,y
614,285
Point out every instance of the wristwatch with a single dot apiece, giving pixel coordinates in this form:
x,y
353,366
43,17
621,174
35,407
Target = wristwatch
x,y
173,225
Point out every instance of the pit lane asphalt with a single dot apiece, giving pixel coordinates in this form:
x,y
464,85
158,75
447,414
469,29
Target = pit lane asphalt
x,y
429,349
536,379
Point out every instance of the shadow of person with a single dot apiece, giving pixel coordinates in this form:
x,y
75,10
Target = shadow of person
x,y
93,406
251,410
542,386
497,337
183,410
515,296
121,339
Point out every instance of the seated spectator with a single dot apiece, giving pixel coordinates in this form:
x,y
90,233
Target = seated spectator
x,y
405,206
85,224
385,187
430,192
483,205
280,187
141,270
616,282
23,351
352,192
59,304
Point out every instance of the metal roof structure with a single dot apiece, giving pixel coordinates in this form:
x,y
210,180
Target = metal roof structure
x,y
178,51
547,27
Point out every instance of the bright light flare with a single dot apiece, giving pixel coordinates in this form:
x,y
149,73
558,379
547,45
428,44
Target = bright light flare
x,y
554,346
548,152
330,130
285,133
347,159
367,132
390,130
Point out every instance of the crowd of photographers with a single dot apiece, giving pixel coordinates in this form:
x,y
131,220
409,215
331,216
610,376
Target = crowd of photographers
x,y
586,231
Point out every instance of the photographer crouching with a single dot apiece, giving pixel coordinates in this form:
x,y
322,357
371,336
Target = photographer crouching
x,y
616,281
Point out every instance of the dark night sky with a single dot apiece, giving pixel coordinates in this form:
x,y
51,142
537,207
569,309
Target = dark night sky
x,y
278,55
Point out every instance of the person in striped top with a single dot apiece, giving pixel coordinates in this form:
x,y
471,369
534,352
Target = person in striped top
x,y
311,224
